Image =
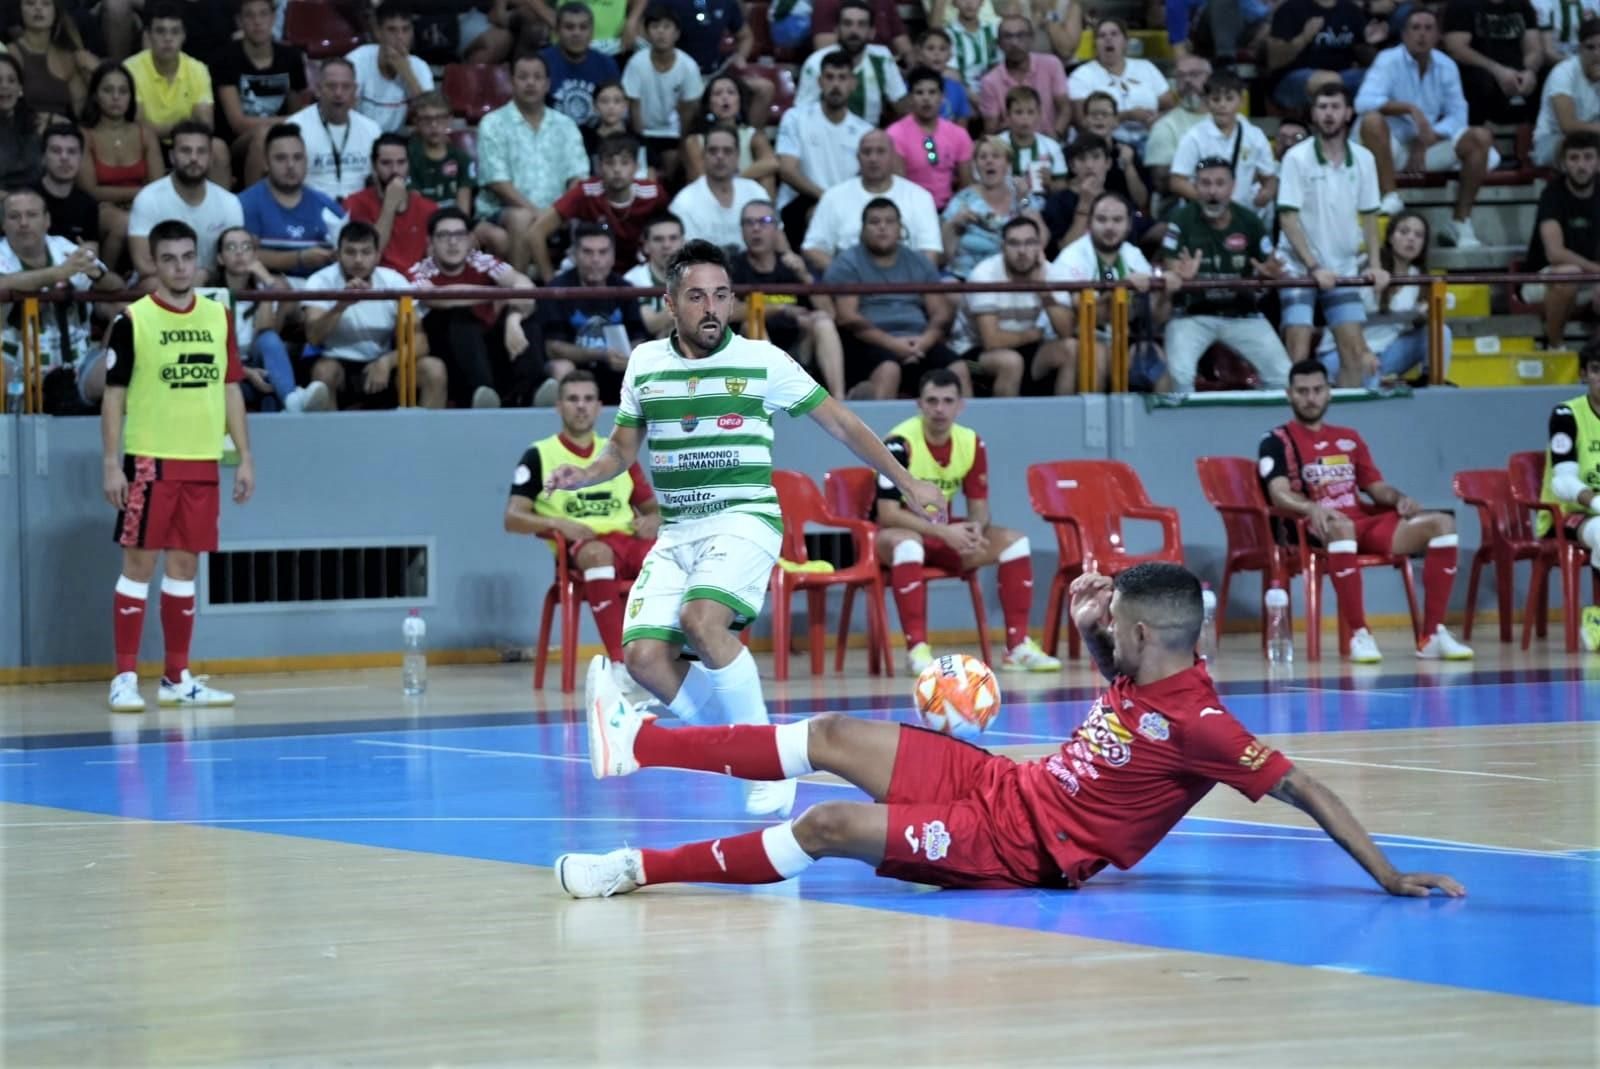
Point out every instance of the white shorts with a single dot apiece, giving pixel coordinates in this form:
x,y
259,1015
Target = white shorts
x,y
1439,157
1536,292
726,568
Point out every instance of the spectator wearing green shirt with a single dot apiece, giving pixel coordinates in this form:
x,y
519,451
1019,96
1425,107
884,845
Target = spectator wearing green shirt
x,y
442,172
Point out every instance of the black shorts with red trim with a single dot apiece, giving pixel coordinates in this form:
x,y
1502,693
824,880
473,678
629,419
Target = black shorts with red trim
x,y
172,504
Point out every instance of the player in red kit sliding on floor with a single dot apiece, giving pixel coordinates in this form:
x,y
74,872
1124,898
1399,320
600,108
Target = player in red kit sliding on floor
x,y
950,814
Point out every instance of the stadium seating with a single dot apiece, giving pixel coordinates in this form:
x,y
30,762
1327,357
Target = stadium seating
x,y
317,27
476,89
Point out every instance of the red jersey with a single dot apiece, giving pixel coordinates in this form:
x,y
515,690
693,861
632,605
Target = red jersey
x,y
588,201
1143,758
1330,465
408,236
479,269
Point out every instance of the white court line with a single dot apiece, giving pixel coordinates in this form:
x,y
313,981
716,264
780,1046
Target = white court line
x,y
1372,693
18,764
303,757
1464,848
1496,743
123,761
470,750
310,690
1417,768
204,760
1409,840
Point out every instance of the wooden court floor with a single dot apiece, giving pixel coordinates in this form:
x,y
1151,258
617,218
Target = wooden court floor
x,y
330,875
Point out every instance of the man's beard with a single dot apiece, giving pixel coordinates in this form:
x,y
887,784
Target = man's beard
x,y
1214,211
184,179
1104,250
1314,417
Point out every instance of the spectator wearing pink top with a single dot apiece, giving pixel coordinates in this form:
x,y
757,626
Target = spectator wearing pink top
x,y
934,152
1039,70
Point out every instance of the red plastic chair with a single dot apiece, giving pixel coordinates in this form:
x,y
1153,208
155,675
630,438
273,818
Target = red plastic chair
x,y
851,492
1507,538
465,139
1311,562
1086,502
319,28
1526,472
566,591
802,504
476,89
1231,487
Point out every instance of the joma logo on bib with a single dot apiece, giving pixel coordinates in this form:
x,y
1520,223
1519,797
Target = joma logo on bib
x,y
182,337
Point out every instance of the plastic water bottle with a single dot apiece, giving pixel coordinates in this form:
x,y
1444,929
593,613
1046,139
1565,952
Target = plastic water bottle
x,y
1208,628
414,654
1280,644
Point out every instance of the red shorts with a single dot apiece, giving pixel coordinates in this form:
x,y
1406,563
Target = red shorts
x,y
956,818
627,552
1375,532
172,504
937,553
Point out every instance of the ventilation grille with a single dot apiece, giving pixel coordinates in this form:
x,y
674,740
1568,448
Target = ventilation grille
x,y
318,575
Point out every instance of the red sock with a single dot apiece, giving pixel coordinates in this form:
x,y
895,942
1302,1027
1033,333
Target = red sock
x,y
746,751
1438,576
911,599
605,598
127,618
1016,597
740,859
177,625
1347,586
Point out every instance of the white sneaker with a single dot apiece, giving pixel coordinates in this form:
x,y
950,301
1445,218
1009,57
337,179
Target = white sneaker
x,y
1459,232
1443,646
485,397
125,697
1363,648
1026,656
770,797
919,657
1391,204
191,689
313,398
600,875
632,691
548,393
613,723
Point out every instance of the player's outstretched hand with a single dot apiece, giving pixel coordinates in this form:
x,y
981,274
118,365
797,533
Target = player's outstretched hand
x,y
925,499
566,477
1422,884
1090,596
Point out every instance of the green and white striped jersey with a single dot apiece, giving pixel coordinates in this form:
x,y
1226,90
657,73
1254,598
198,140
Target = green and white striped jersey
x,y
708,428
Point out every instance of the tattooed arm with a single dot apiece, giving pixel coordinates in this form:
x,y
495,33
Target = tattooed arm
x,y
1091,612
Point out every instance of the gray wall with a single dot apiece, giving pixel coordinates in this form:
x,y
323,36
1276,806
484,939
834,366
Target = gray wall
x,y
442,477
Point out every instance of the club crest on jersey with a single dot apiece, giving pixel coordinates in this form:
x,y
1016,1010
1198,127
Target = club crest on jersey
x,y
691,386
634,607
1347,445
689,421
935,840
736,387
1154,727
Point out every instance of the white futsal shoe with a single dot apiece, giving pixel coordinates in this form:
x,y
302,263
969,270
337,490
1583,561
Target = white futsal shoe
x,y
1364,648
125,697
191,690
613,723
1443,646
600,875
1027,656
774,798
919,657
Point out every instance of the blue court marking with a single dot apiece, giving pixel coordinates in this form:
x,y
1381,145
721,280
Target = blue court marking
x,y
523,794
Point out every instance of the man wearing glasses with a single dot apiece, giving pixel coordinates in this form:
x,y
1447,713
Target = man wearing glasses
x,y
1040,70
935,152
484,345
801,326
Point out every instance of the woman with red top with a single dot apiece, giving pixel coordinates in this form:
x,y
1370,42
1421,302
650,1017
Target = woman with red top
x,y
124,155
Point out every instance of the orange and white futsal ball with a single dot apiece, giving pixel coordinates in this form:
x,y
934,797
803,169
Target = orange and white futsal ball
x,y
957,695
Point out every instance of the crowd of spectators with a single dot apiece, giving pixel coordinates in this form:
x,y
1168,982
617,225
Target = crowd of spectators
x,y
978,143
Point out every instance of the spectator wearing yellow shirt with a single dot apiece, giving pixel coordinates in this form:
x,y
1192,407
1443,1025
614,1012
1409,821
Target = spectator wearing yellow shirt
x,y
172,87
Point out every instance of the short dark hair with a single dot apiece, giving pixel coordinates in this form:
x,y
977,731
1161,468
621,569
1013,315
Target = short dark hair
x,y
618,145
1420,10
837,59
1215,161
575,376
523,57
1333,89
659,219
939,376
163,9
191,127
930,33
1118,197
282,131
1589,355
1165,597
1589,27
1308,366
660,13
1224,81
693,254
877,204
859,5
1021,94
721,128
922,74
390,140
591,229
338,61
172,230
574,7
390,9
61,129
358,232
1086,144
1017,222
445,214
1101,94
1579,140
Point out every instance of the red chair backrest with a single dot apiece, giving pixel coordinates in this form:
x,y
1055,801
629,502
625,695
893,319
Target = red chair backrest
x,y
319,28
801,503
1489,491
851,492
1525,475
465,139
476,89
1231,482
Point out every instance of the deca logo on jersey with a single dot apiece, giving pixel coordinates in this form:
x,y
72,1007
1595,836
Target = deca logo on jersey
x,y
192,370
730,422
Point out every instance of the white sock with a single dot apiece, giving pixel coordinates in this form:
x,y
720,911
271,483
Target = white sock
x,y
178,588
1449,541
908,552
694,699
594,575
784,851
128,588
1015,551
1348,545
737,689
1589,535
794,748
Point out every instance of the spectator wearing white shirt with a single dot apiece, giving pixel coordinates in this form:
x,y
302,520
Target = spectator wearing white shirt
x,y
1571,98
1560,26
817,144
186,195
387,74
1227,135
879,88
709,206
338,138
1035,156
1414,114
1327,211
663,84
663,236
357,348
836,224
1137,85
1192,73
1025,339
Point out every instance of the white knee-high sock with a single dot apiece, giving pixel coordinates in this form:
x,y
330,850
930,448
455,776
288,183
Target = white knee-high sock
x,y
737,692
696,698
1589,535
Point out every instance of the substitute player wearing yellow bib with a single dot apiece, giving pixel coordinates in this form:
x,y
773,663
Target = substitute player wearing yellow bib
x,y
1572,475
933,446
609,527
703,400
172,387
